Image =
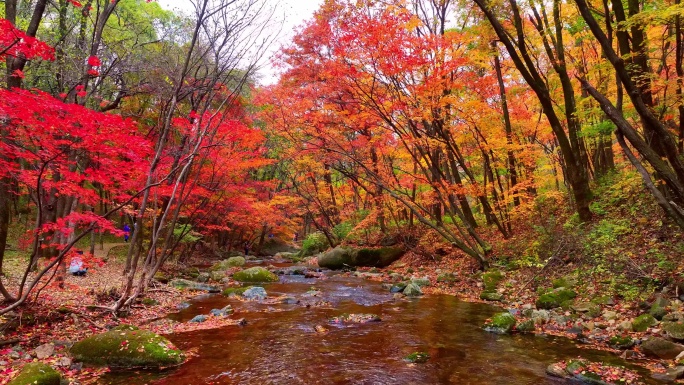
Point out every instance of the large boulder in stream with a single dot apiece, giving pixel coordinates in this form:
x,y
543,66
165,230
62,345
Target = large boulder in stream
x,y
228,263
661,348
255,274
192,285
127,347
37,373
341,257
501,323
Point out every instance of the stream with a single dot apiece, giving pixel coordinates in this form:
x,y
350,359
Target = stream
x,y
279,343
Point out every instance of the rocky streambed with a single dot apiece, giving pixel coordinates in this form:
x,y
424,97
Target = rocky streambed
x,y
332,328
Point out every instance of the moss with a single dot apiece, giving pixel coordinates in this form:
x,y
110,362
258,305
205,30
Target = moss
x,y
619,342
381,257
412,290
491,279
417,357
230,291
228,263
127,349
556,298
161,277
255,274
527,326
150,302
501,323
37,373
446,277
491,296
643,322
674,330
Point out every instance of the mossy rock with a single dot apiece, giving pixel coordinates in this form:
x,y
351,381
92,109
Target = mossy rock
x,y
228,263
412,290
643,322
421,282
446,277
526,326
127,349
231,291
674,330
565,282
556,298
336,258
218,275
255,274
620,342
658,308
491,279
37,373
491,296
149,302
191,285
417,357
661,348
381,257
161,277
501,323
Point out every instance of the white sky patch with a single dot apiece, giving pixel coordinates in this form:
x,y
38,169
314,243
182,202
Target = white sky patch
x,y
296,13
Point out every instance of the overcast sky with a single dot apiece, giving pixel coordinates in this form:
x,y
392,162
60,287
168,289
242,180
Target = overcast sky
x,y
296,13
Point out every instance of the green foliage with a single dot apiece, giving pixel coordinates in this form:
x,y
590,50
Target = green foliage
x,y
185,233
342,230
314,243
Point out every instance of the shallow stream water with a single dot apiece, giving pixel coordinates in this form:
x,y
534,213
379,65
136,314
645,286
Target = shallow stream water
x,y
279,344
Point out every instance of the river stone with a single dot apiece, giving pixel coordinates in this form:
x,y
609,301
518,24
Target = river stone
x,y
203,277
446,277
661,348
398,287
501,323
45,351
658,306
674,330
336,258
620,342
222,312
589,308
255,293
556,298
643,322
526,326
540,316
381,257
421,282
491,296
355,318
610,315
556,370
191,285
37,373
127,347
671,375
674,317
255,274
198,318
412,290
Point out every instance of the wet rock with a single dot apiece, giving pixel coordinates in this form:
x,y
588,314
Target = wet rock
x,y
643,322
255,293
191,285
44,351
255,274
398,288
417,357
412,290
320,329
127,347
289,300
501,323
336,258
37,373
556,370
661,348
198,318
526,326
674,330
227,310
355,318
